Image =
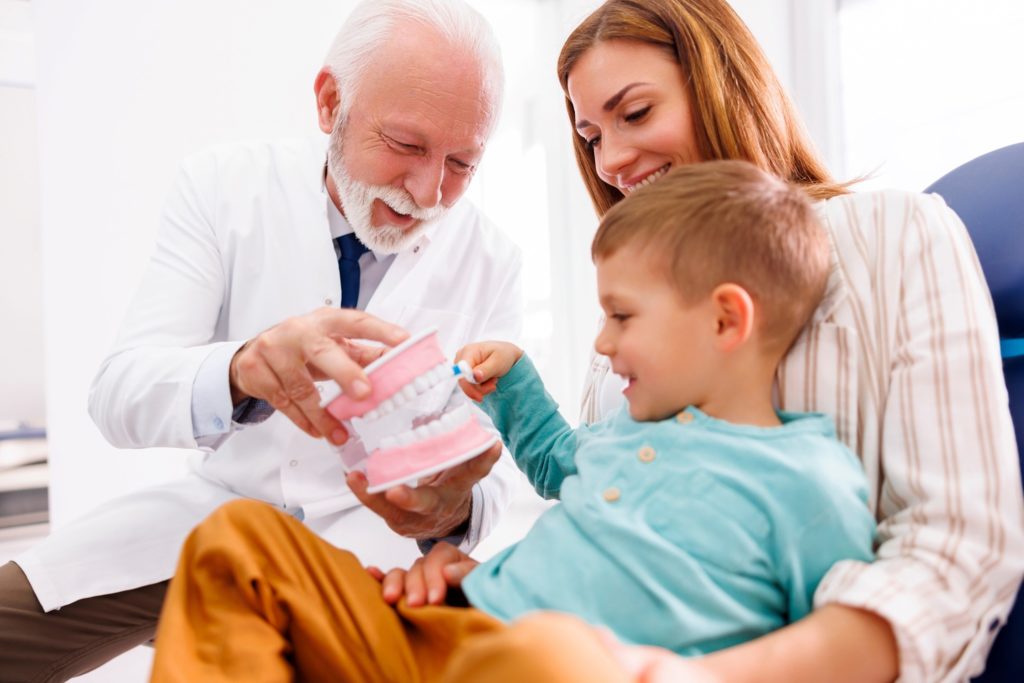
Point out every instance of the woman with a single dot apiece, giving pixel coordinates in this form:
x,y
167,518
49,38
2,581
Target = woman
x,y
903,352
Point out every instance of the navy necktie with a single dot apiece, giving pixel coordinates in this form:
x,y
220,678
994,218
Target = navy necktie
x,y
348,264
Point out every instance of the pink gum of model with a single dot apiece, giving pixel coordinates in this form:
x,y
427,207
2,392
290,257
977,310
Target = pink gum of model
x,y
389,373
405,463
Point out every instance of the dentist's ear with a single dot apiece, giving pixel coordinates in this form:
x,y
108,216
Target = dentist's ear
x,y
327,100
734,315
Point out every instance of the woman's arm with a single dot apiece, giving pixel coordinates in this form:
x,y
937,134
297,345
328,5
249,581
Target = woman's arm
x,y
933,431
835,644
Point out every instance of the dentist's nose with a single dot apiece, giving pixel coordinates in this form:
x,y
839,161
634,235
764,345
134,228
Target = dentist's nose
x,y
424,184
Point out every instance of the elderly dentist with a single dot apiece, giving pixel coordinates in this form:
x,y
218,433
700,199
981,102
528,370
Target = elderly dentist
x,y
238,315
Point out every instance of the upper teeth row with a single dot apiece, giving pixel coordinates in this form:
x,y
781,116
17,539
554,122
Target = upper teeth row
x,y
423,382
446,423
650,179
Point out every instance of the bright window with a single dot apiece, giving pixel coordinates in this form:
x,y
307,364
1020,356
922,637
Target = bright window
x,y
928,85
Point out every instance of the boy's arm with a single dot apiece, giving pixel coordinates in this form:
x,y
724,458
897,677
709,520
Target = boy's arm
x,y
512,394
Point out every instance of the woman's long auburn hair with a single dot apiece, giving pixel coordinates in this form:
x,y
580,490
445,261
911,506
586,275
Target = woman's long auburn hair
x,y
739,107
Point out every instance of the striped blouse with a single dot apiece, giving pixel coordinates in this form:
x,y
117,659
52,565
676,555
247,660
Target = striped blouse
x,y
903,352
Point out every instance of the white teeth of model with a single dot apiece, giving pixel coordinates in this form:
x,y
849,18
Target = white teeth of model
x,y
388,442
408,392
446,421
386,406
459,415
421,432
397,399
420,384
435,428
372,415
440,374
405,438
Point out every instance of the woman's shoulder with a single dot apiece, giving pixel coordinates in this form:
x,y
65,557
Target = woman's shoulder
x,y
887,205
890,216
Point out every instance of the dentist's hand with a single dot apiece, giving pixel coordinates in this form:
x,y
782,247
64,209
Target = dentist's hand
x,y
490,361
428,580
438,505
281,364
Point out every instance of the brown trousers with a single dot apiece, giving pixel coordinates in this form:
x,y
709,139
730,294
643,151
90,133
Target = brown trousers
x,y
38,647
259,598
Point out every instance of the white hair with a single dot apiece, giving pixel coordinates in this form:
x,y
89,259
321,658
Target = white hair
x,y
372,23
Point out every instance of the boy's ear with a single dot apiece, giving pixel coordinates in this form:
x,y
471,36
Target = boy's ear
x,y
327,100
734,315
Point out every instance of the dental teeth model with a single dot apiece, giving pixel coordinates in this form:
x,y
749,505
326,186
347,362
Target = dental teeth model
x,y
397,378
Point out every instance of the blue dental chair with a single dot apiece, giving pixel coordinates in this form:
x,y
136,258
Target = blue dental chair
x,y
988,195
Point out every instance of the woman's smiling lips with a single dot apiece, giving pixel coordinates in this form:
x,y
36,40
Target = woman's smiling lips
x,y
645,179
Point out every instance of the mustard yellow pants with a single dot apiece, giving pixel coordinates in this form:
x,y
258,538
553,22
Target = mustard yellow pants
x,y
259,598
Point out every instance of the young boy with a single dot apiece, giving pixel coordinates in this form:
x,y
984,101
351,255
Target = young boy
x,y
697,519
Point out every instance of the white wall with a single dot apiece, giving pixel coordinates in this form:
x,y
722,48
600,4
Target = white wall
x,y
21,282
125,90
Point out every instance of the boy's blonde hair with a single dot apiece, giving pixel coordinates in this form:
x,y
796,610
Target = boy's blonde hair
x,y
714,222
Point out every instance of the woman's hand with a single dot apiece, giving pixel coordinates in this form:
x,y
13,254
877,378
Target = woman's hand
x,y
428,580
490,361
646,664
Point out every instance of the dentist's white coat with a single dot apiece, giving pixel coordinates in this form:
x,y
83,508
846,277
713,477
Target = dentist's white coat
x,y
245,243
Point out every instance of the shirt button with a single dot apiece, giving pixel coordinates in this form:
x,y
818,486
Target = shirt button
x,y
416,250
646,454
294,463
612,494
328,302
218,423
684,418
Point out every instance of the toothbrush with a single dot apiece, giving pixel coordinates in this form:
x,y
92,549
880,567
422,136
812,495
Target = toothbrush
x,y
461,370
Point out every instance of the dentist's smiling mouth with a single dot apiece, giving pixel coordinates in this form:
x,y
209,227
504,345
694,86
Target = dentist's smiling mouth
x,y
647,180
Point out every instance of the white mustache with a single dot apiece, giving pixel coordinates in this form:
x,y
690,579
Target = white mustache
x,y
402,202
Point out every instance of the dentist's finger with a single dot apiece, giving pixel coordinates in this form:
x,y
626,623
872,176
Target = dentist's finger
x,y
354,324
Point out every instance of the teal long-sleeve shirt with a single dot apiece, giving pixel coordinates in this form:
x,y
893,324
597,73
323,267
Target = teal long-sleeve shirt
x,y
690,533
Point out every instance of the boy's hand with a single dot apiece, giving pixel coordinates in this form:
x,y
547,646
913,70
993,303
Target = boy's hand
x,y
427,581
490,361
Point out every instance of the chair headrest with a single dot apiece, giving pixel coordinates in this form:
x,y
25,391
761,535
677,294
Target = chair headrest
x,y
988,195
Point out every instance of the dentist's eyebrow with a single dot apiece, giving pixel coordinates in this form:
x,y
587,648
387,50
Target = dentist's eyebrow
x,y
612,102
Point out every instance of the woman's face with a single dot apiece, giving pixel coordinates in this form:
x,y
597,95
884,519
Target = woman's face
x,y
633,110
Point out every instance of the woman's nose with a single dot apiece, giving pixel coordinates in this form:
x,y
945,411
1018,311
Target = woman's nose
x,y
614,156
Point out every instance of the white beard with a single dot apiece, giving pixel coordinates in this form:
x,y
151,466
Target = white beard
x,y
357,204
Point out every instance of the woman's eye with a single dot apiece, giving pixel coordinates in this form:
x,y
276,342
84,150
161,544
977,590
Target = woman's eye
x,y
592,142
637,115
620,317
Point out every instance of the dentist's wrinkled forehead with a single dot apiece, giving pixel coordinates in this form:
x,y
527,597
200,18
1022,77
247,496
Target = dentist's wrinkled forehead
x,y
376,27
441,93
